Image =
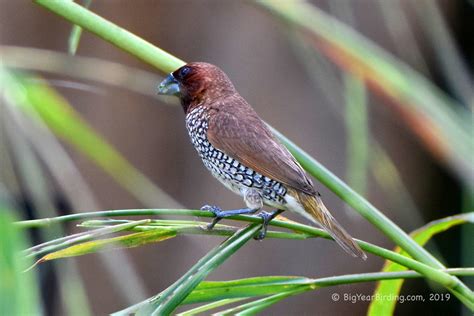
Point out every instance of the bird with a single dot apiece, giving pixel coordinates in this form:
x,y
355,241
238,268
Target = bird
x,y
239,149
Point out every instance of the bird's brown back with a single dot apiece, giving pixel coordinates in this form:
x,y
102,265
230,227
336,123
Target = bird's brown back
x,y
237,130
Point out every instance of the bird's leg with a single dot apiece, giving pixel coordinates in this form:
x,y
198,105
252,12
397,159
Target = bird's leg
x,y
220,214
254,201
266,218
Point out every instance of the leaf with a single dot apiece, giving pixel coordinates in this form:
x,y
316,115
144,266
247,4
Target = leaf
x,y
421,236
167,301
18,291
59,243
243,288
127,241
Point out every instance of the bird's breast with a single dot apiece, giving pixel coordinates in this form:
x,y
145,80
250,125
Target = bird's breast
x,y
233,174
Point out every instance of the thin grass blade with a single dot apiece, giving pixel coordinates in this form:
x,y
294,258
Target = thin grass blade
x,y
18,291
127,241
59,243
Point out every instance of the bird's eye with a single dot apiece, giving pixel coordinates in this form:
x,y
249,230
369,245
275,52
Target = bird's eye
x,y
184,71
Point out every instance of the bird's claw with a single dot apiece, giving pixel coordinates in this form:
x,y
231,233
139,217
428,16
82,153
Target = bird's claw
x,y
266,218
260,236
211,208
217,211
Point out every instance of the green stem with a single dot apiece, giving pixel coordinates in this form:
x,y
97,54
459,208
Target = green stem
x,y
355,53
196,228
364,207
113,34
45,222
431,273
112,226
374,216
379,276
76,33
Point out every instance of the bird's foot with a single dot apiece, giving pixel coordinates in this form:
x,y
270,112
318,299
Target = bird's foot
x,y
266,218
217,211
220,214
211,208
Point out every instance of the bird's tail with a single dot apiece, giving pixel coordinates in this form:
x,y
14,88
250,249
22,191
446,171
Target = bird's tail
x,y
319,213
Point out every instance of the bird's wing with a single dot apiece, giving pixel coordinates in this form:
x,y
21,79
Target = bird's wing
x,y
243,136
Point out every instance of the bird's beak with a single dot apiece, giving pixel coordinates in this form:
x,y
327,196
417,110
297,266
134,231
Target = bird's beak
x,y
169,86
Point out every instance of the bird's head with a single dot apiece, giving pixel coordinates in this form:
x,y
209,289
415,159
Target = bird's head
x,y
195,83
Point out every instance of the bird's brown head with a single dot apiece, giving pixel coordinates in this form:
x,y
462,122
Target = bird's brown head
x,y
196,83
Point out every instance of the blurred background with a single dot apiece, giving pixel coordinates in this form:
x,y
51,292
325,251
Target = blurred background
x,y
360,134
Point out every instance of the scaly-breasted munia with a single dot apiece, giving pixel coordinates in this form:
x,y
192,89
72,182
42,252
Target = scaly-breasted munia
x,y
241,152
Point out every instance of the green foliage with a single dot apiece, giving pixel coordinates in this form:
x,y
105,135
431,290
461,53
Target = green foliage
x,y
421,236
18,290
127,241
247,288
271,288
